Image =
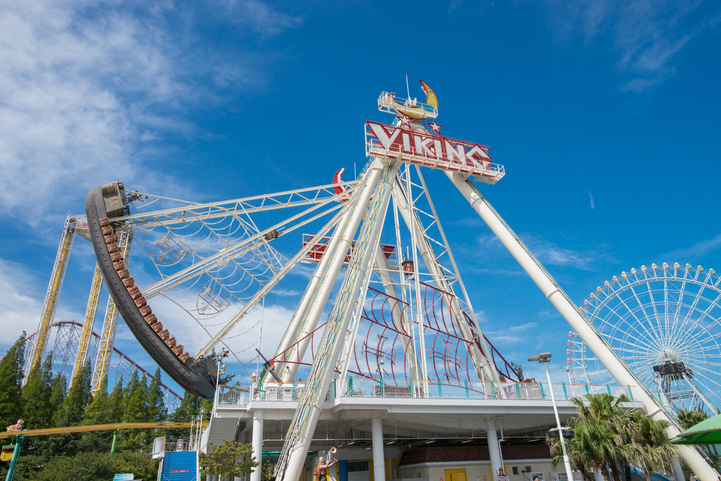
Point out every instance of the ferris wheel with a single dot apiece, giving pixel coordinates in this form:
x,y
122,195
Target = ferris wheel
x,y
663,322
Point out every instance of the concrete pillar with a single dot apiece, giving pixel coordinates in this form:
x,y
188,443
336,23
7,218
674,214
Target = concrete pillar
x,y
379,465
257,443
494,448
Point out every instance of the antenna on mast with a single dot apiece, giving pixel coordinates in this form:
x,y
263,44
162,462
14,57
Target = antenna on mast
x,y
408,89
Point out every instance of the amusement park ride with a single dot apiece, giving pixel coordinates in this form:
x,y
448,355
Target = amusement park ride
x,y
400,317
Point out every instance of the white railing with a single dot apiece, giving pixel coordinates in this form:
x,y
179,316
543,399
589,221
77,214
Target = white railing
x,y
359,387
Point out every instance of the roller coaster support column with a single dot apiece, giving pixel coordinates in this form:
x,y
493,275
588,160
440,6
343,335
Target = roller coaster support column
x,y
51,298
16,454
576,319
88,323
300,432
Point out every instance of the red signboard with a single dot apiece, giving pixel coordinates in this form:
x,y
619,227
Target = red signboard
x,y
317,251
431,150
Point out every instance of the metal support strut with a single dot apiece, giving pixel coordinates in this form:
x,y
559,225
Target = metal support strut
x,y
51,298
575,318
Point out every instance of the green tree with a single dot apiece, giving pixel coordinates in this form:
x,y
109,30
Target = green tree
x,y
27,468
37,395
81,467
11,377
99,411
37,407
72,410
137,463
688,419
116,402
603,415
223,461
70,413
85,467
135,412
59,387
53,445
156,403
189,407
134,394
647,443
155,407
601,437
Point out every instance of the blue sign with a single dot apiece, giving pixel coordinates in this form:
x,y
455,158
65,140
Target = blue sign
x,y
124,477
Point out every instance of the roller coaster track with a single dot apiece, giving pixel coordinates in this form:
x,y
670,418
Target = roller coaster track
x,y
123,356
98,427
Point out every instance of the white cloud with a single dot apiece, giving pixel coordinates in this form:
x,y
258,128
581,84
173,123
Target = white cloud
x,y
259,17
645,34
593,203
523,327
286,292
86,87
584,258
696,251
18,307
546,251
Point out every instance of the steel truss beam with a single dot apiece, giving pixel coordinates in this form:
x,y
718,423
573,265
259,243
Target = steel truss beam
x,y
232,322
88,323
248,205
110,323
377,180
443,281
51,297
239,249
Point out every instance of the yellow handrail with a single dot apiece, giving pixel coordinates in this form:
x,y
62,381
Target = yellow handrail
x,y
97,427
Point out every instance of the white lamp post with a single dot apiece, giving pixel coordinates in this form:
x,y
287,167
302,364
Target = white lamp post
x,y
544,358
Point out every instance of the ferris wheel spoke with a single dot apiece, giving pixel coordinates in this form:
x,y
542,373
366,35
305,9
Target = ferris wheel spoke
x,y
698,336
655,316
632,311
692,308
709,386
712,305
623,320
638,344
662,327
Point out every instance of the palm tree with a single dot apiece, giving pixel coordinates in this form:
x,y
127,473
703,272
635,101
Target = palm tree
x,y
607,435
647,443
602,415
580,458
688,419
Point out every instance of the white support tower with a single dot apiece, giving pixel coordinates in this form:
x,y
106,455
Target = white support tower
x,y
387,147
378,182
51,297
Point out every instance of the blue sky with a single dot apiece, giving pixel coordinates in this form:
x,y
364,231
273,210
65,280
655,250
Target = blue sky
x,y
604,114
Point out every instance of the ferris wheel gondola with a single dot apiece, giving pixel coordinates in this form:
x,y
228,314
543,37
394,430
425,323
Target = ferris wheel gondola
x,y
663,322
